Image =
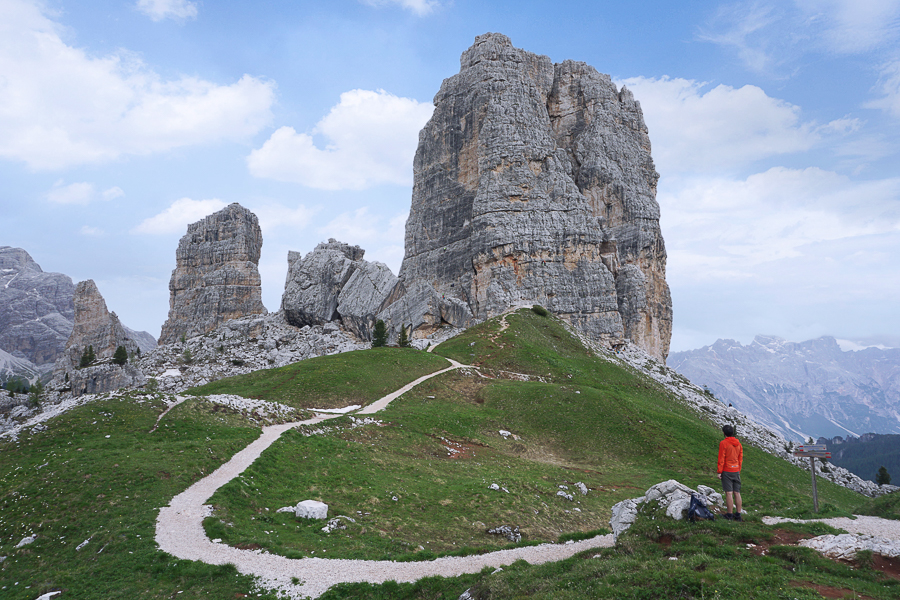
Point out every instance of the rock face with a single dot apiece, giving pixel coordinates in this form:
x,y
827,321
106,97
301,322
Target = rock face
x,y
36,310
100,329
334,283
216,278
805,389
534,183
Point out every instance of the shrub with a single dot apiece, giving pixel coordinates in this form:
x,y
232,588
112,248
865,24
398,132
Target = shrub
x,y
540,311
36,394
187,356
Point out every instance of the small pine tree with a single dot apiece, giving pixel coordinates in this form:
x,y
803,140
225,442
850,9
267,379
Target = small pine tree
x,y
379,336
403,340
187,356
883,477
121,356
87,357
36,394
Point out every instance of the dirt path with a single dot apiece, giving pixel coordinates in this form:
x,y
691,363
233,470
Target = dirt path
x,y
179,531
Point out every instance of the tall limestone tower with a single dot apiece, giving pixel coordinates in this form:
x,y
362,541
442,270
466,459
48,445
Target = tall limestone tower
x,y
534,184
216,276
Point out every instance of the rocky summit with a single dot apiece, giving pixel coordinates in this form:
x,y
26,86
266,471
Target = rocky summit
x,y
216,276
100,330
334,283
533,183
36,311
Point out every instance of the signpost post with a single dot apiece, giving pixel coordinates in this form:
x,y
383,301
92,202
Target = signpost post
x,y
813,451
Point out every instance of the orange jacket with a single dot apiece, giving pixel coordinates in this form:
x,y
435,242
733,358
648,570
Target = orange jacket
x,y
731,455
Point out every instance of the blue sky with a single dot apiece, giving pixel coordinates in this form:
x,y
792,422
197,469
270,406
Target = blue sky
x,y
774,128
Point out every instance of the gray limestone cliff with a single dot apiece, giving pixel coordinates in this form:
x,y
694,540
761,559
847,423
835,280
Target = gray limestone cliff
x,y
36,311
533,183
334,283
101,330
216,277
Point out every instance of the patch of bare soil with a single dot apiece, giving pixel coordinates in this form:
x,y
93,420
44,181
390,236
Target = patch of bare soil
x,y
887,565
827,591
780,537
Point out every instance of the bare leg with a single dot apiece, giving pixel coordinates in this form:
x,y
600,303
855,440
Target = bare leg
x,y
729,500
737,495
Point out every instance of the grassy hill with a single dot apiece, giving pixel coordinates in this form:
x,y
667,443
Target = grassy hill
x,y
416,483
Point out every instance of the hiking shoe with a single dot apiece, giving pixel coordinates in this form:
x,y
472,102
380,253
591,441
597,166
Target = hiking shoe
x,y
728,516
737,517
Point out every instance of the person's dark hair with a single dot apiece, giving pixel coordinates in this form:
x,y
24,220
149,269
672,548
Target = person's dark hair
x,y
728,430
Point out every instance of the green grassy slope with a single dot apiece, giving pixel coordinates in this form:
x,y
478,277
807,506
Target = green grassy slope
x,y
357,377
416,483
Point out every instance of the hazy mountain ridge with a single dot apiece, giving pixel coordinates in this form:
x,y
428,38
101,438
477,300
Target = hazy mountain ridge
x,y
802,389
37,315
865,454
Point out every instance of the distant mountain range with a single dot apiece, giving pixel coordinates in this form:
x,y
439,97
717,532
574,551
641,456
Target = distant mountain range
x,y
806,389
864,455
37,316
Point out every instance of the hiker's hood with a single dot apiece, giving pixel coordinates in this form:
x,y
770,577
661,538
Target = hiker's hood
x,y
732,441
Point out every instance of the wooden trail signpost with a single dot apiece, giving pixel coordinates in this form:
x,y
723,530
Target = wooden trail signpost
x,y
813,451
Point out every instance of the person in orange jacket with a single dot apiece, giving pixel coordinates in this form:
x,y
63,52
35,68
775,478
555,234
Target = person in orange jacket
x,y
731,459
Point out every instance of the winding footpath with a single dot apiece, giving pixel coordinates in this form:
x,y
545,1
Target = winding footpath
x,y
179,531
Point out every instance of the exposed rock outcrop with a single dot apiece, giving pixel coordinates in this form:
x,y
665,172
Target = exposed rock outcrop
x,y
534,183
36,311
334,283
216,277
96,328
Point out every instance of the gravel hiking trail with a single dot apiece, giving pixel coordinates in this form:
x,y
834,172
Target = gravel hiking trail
x,y
179,531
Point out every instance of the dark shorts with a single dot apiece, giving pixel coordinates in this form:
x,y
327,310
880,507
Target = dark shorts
x,y
731,482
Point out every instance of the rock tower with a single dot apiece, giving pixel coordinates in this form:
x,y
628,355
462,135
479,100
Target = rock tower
x,y
216,276
533,183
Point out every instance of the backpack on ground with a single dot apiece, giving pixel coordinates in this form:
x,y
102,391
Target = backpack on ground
x,y
698,510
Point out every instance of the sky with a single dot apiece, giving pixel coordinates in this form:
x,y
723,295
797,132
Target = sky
x,y
774,128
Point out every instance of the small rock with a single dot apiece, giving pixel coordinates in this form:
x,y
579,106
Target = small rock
x,y
582,488
565,495
26,540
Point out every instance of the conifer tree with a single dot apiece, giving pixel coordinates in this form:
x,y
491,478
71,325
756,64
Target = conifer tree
x,y
883,477
121,356
87,357
403,340
379,336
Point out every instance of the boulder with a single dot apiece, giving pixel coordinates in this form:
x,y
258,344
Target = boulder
x,y
216,276
671,495
334,284
311,509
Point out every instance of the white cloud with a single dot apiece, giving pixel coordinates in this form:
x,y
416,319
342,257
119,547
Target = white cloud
x,y
61,106
696,129
274,216
889,86
372,138
113,193
74,193
745,27
853,26
419,7
91,231
178,216
168,9
729,229
361,227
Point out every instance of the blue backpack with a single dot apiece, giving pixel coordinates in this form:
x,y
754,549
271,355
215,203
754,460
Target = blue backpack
x,y
698,510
